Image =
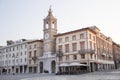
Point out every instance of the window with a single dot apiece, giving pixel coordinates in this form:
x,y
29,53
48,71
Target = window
x,y
90,45
17,54
21,53
82,36
67,48
53,25
82,45
34,61
47,26
10,49
16,60
74,46
6,55
25,59
21,60
82,56
89,36
13,61
35,53
21,46
60,58
9,61
6,62
66,39
30,47
34,45
94,46
60,40
74,57
13,55
67,57
25,46
17,47
74,37
25,52
60,47
93,38
3,62
29,61
91,56
30,53
13,48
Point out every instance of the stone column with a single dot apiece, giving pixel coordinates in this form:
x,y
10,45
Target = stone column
x,y
38,67
49,69
23,69
18,69
32,69
27,71
56,70
7,70
14,69
93,67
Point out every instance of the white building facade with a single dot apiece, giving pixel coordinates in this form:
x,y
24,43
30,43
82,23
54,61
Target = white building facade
x,y
14,57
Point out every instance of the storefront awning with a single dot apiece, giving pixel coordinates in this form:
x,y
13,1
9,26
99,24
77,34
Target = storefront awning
x,y
76,64
63,65
103,54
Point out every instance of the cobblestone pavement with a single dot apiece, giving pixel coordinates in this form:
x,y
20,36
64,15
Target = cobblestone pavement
x,y
106,75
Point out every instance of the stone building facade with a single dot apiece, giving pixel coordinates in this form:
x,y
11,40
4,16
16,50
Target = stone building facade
x,y
116,55
35,50
85,49
104,51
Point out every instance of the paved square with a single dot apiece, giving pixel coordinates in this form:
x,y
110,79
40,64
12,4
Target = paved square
x,y
109,75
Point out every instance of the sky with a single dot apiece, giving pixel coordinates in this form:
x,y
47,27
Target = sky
x,y
24,18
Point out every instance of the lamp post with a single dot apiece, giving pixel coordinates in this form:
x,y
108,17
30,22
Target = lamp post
x,y
59,54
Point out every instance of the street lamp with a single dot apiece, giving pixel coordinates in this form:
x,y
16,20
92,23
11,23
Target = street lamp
x,y
59,54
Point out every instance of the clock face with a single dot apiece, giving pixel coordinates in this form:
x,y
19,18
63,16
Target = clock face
x,y
46,36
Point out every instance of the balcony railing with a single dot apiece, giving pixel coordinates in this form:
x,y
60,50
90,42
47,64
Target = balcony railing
x,y
90,51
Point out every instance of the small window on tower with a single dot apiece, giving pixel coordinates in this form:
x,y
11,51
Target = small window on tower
x,y
53,25
47,26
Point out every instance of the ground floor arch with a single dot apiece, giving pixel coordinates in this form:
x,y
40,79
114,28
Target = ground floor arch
x,y
53,66
41,67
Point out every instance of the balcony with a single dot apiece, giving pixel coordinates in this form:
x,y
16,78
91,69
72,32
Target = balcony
x,y
84,51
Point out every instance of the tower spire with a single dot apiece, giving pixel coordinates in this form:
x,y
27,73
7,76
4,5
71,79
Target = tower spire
x,y
50,10
50,15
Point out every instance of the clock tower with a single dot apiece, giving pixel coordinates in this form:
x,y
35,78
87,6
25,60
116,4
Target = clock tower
x,y
50,29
